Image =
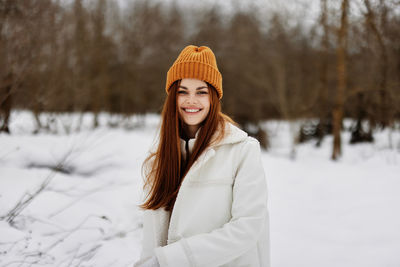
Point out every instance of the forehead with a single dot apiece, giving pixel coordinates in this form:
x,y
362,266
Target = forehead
x,y
189,83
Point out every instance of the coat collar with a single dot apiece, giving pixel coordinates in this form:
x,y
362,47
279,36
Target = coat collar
x,y
232,135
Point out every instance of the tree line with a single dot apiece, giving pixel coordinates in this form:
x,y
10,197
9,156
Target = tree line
x,y
95,56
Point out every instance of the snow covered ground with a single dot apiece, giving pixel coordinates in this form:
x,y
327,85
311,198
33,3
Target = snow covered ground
x,y
322,213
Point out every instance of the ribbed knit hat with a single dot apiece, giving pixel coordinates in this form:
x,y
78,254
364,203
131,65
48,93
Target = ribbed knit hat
x,y
198,63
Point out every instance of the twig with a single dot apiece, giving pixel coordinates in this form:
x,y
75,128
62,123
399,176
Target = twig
x,y
50,247
74,256
76,228
22,204
79,199
88,254
4,155
67,231
44,221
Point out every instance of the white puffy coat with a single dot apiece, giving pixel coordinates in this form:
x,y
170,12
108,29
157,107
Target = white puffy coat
x,y
220,217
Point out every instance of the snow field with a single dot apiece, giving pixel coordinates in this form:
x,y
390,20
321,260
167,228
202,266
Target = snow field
x,y
322,213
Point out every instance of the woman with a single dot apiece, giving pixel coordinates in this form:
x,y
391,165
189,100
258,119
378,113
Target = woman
x,y
206,192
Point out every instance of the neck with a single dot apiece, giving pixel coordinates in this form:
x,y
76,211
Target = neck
x,y
190,131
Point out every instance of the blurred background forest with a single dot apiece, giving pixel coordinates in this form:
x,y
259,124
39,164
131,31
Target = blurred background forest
x,y
316,60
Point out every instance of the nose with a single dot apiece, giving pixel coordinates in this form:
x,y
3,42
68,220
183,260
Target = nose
x,y
191,98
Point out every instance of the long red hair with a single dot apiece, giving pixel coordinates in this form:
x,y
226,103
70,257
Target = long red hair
x,y
164,169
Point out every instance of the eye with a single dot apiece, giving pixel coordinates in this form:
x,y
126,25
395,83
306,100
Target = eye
x,y
202,92
181,92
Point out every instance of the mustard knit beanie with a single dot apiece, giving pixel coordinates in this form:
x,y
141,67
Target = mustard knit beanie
x,y
198,63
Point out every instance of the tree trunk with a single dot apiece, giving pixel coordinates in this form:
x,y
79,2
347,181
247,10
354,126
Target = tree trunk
x,y
342,79
5,102
323,108
384,118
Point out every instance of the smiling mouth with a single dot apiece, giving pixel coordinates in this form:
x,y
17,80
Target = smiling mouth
x,y
192,110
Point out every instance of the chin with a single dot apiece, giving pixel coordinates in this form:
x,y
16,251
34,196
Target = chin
x,y
193,122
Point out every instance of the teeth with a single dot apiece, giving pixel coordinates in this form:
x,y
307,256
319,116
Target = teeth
x,y
192,110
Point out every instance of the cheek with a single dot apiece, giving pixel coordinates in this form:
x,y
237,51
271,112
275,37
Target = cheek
x,y
179,104
178,101
207,104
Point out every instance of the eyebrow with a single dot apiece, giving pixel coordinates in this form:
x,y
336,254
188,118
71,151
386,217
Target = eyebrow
x,y
198,88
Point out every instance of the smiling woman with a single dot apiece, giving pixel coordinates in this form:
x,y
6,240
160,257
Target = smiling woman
x,y
193,104
205,188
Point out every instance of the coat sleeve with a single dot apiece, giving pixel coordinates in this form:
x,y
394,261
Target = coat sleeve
x,y
155,225
249,216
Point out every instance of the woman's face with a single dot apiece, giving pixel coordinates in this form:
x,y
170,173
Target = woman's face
x,y
193,100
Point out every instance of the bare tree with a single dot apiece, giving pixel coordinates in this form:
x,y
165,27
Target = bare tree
x,y
10,16
371,22
5,102
325,120
342,79
100,57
